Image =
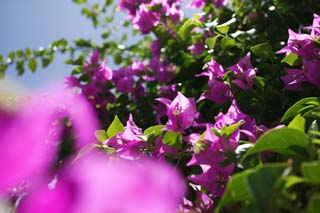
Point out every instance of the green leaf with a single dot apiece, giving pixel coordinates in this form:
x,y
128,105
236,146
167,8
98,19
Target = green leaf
x,y
237,190
32,64
300,107
285,140
227,43
211,42
253,186
156,130
263,50
83,43
224,28
262,185
310,172
292,180
298,123
314,204
173,139
101,135
79,1
115,127
292,59
11,55
226,131
46,60
185,29
106,34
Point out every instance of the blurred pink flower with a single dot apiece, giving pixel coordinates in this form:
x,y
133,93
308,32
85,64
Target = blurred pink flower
x,y
96,184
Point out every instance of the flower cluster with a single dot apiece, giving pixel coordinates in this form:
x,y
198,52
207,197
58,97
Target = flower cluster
x,y
219,90
145,15
304,46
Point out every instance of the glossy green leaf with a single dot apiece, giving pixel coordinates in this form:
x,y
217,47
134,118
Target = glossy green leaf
x,y
172,139
298,123
300,107
253,186
263,50
115,127
237,190
310,172
262,184
227,43
285,140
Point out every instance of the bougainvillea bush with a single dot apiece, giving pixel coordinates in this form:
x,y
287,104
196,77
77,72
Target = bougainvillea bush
x,y
215,111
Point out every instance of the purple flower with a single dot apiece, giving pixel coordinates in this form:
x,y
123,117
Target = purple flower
x,y
215,70
128,144
145,19
181,112
244,73
201,3
215,178
219,92
295,42
293,79
96,184
29,136
312,71
197,48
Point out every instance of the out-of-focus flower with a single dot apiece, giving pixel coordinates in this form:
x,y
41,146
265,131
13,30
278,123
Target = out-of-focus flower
x,y
29,136
95,184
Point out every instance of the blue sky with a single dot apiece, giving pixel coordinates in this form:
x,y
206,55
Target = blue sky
x,y
36,23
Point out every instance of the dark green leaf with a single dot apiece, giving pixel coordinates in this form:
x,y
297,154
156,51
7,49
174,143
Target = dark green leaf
x,y
311,171
263,50
314,204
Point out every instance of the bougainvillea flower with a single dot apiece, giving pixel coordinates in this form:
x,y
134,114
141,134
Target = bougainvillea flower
x,y
244,73
128,144
312,72
295,42
29,136
181,112
96,184
293,79
197,48
214,179
215,70
145,19
219,92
